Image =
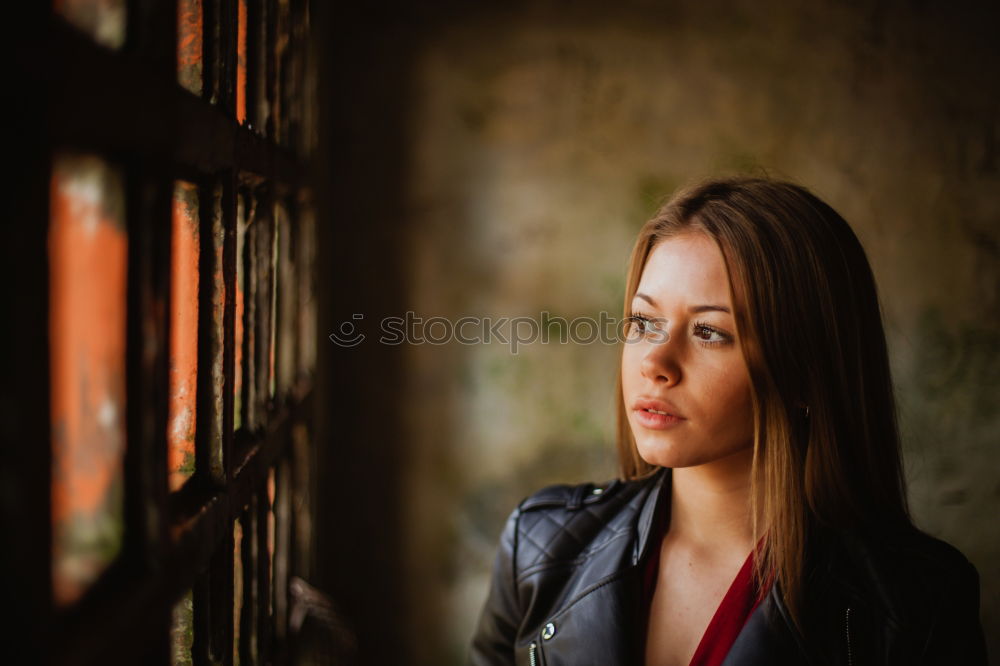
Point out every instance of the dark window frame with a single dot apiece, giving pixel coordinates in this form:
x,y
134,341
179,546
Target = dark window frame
x,y
127,107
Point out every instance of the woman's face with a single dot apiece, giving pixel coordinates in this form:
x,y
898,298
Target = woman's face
x,y
688,362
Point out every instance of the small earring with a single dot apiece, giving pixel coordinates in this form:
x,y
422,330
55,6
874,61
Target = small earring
x,y
805,411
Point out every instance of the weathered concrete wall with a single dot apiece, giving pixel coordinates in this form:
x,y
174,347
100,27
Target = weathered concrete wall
x,y
543,137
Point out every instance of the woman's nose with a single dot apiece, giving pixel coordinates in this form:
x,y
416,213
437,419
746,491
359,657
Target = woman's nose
x,y
660,362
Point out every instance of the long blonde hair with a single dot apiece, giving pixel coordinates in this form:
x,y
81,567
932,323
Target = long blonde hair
x,y
826,443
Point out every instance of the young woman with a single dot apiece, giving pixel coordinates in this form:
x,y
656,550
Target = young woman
x,y
761,517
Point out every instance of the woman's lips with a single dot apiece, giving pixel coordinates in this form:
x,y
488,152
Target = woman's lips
x,y
657,404
655,421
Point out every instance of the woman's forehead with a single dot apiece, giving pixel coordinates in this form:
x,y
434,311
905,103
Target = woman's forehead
x,y
686,268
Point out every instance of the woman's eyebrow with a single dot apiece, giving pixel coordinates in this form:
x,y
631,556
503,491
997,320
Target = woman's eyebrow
x,y
694,309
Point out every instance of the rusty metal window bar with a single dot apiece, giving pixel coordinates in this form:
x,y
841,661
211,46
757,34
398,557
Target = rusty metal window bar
x,y
170,231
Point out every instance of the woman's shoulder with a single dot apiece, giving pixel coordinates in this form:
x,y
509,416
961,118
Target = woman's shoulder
x,y
930,591
916,575
932,562
565,521
912,553
582,496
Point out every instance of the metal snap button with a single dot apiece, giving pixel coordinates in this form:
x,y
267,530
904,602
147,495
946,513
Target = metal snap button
x,y
549,631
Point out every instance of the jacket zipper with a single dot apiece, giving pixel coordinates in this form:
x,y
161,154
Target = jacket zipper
x,y
847,631
533,654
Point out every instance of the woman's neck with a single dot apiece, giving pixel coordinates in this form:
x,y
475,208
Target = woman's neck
x,y
710,504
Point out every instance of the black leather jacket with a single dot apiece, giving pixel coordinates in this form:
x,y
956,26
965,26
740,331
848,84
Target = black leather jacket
x,y
567,589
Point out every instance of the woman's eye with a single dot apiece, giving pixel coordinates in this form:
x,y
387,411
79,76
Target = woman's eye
x,y
710,335
636,324
640,327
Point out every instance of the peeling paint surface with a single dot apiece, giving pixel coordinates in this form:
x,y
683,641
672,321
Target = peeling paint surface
x,y
88,253
241,61
190,28
241,229
271,487
182,631
251,278
215,244
183,335
237,587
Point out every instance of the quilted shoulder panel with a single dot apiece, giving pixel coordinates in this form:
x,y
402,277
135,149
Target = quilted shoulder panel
x,y
561,524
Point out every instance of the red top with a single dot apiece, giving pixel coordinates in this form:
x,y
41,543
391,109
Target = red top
x,y
736,607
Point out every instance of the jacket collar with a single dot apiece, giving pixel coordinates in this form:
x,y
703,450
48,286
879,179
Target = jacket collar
x,y
654,509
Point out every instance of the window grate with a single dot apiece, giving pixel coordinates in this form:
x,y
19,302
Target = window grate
x,y
182,123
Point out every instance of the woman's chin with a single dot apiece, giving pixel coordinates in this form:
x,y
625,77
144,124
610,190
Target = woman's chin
x,y
670,454
665,454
